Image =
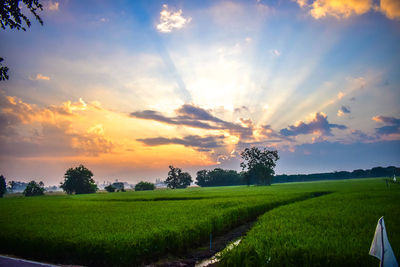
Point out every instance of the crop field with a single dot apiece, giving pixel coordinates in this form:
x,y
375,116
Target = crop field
x,y
319,223
332,230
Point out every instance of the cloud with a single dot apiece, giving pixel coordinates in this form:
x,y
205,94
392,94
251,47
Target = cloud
x,y
362,137
28,130
343,9
388,120
275,52
343,110
40,77
392,125
391,9
318,123
199,143
196,117
56,140
170,20
53,6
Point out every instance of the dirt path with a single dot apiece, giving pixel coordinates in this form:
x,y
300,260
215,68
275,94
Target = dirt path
x,y
204,252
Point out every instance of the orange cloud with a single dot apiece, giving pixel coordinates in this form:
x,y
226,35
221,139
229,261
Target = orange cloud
x,y
343,9
391,8
40,77
35,130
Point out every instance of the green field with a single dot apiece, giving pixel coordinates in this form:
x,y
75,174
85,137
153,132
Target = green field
x,y
299,225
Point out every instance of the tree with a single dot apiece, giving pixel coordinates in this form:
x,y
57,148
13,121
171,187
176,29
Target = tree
x,y
177,179
34,189
259,165
3,186
12,17
79,181
3,71
142,186
202,178
110,188
218,177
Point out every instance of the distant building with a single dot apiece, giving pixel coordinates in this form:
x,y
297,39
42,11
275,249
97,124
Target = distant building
x,y
118,186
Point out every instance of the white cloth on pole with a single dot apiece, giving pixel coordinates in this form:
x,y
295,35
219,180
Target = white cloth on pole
x,y
381,248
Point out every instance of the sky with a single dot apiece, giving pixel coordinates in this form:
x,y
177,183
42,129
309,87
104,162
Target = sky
x,y
128,88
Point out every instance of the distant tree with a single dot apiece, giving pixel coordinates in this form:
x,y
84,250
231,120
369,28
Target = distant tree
x,y
259,165
34,189
378,172
359,173
12,17
110,188
202,178
218,177
177,179
3,186
185,179
142,186
79,181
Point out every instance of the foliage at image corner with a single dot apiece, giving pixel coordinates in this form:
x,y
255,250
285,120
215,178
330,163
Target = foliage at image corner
x,y
12,17
3,186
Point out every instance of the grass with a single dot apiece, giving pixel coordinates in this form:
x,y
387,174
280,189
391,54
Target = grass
x,y
128,228
133,228
332,230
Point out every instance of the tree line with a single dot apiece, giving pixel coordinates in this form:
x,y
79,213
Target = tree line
x,y
359,173
257,168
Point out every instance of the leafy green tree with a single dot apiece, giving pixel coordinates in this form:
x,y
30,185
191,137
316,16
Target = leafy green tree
x,y
218,177
3,186
142,186
79,181
202,178
34,189
259,165
3,71
12,17
177,179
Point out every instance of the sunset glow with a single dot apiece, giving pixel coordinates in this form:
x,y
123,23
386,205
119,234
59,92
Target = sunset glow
x,y
129,87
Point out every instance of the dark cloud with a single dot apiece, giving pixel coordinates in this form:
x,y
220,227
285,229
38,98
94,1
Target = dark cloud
x,y
345,109
192,116
392,125
318,124
272,136
152,115
389,129
194,141
360,135
240,109
196,113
